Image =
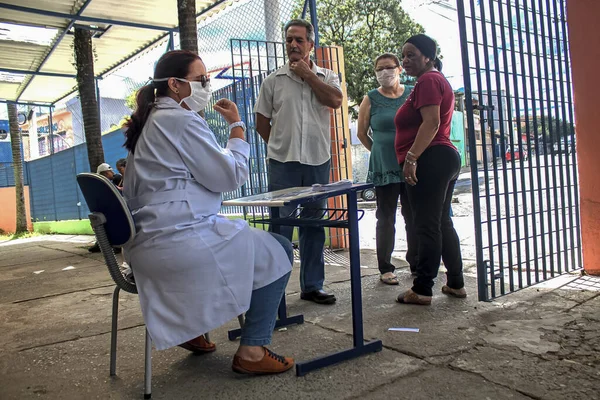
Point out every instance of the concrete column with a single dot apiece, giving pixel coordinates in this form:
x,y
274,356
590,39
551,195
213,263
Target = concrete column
x,y
273,32
584,42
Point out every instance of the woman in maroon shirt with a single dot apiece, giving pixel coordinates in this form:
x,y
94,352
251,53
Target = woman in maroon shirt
x,y
430,165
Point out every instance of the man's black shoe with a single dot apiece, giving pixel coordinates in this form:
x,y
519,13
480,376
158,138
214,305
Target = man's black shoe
x,y
319,297
95,248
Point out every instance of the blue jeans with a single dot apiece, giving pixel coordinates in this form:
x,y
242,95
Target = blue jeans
x,y
312,240
262,314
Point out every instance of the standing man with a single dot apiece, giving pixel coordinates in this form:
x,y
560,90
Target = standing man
x,y
292,116
106,170
121,165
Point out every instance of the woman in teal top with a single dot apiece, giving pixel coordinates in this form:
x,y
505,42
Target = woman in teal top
x,y
376,113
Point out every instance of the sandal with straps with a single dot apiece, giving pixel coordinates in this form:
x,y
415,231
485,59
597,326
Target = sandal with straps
x,y
390,280
410,297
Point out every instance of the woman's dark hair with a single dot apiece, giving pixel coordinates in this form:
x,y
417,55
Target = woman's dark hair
x,y
173,64
427,47
388,56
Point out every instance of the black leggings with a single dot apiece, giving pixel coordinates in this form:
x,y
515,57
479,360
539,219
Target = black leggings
x,y
387,205
430,199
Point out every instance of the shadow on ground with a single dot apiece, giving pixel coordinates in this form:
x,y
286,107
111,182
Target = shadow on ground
x,y
540,343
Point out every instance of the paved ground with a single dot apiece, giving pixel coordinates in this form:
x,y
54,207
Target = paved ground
x,y
540,343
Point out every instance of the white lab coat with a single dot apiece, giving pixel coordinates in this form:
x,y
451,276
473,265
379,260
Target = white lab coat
x,y
195,270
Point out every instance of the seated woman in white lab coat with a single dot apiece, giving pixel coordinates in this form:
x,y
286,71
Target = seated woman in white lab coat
x,y
195,269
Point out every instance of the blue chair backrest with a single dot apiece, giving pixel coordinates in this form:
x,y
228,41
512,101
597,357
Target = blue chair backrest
x,y
102,196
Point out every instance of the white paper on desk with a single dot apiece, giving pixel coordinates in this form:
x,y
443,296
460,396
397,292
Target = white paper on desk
x,y
415,330
343,184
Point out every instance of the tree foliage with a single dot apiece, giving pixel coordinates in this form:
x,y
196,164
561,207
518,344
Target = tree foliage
x,y
552,129
130,100
365,29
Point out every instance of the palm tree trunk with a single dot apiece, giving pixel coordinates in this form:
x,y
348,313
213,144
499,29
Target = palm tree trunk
x,y
15,144
84,64
188,28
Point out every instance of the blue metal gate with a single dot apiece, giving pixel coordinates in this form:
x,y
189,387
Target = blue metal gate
x,y
521,135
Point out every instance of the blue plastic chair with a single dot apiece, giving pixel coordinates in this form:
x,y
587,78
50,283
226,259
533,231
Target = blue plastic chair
x,y
114,227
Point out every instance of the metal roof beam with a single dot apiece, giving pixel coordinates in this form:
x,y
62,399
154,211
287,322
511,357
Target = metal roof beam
x,y
153,43
57,41
205,10
76,17
36,73
27,103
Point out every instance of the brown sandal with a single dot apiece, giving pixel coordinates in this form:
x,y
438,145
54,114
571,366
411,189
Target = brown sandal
x,y
271,363
199,345
458,293
391,280
410,297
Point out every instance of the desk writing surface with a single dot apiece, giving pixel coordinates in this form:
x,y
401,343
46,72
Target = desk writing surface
x,y
295,195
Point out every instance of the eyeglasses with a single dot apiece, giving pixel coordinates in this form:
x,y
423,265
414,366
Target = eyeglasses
x,y
386,68
204,80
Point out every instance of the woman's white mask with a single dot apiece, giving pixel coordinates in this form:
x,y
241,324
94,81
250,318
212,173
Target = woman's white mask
x,y
387,77
199,95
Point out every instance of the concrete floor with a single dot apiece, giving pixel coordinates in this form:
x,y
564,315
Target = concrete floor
x,y
540,343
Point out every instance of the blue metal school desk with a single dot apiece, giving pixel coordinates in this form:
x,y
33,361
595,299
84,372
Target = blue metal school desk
x,y
346,218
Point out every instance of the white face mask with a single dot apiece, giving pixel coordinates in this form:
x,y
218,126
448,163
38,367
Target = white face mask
x,y
199,95
387,77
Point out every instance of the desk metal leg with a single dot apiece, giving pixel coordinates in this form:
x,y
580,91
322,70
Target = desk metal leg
x,y
360,347
282,320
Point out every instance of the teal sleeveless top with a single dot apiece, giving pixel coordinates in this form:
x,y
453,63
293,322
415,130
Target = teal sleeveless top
x,y
383,165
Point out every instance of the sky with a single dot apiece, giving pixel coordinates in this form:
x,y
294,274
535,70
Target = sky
x,y
438,17
440,20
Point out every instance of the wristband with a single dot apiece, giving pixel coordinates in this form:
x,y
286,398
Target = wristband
x,y
241,124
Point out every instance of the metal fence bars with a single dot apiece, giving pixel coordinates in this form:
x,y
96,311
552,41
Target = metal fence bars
x,y
525,188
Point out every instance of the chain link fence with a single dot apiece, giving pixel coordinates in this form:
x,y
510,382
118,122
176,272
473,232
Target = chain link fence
x,y
231,52
260,20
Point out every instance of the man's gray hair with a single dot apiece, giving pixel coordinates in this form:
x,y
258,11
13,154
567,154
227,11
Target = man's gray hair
x,y
310,30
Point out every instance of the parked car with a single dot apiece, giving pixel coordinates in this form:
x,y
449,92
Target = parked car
x,y
569,147
367,194
515,153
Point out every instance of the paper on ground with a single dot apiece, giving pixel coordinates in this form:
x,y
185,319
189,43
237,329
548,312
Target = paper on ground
x,y
416,330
